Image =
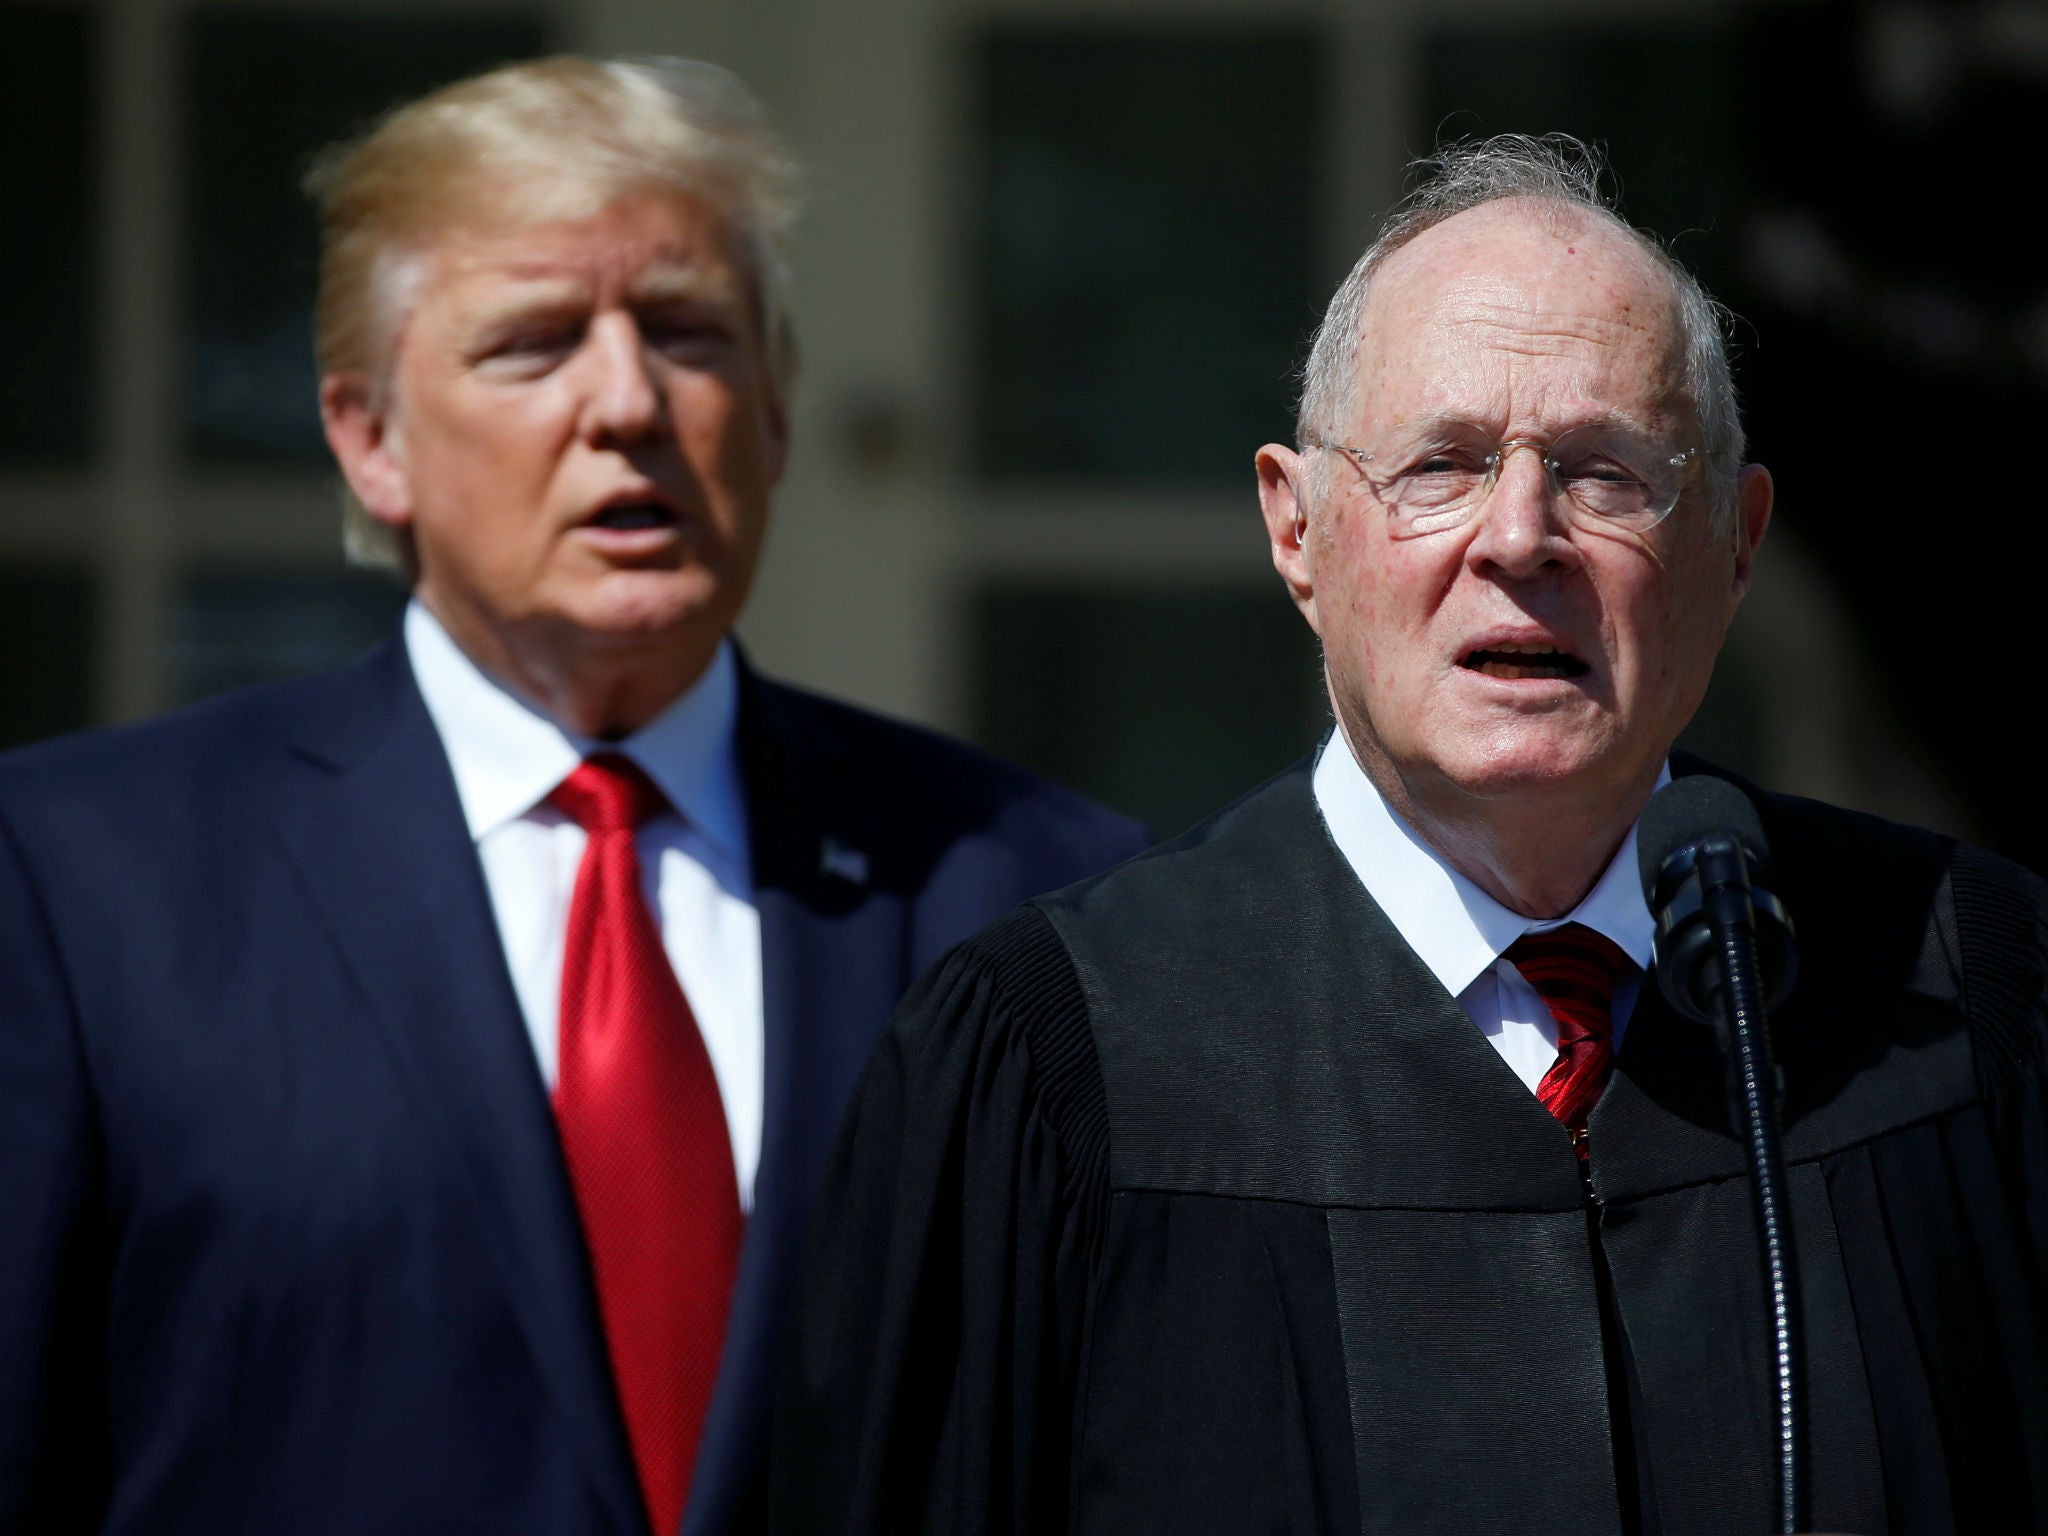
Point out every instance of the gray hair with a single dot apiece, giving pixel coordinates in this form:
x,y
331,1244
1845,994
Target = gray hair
x,y
1554,169
531,143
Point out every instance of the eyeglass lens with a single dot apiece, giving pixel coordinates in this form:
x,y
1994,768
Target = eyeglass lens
x,y
1607,475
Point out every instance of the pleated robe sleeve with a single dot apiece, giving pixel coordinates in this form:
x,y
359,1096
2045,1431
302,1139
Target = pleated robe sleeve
x,y
929,1384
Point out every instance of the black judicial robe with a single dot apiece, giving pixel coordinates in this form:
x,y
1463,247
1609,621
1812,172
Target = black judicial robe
x,y
1185,1200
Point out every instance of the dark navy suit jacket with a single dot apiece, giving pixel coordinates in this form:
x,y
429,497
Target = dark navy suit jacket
x,y
286,1240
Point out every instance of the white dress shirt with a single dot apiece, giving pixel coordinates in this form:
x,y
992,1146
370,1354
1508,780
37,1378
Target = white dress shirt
x,y
694,861
1459,931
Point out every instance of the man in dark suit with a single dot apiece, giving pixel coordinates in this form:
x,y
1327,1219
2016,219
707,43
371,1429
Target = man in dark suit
x,y
413,1081
1288,1177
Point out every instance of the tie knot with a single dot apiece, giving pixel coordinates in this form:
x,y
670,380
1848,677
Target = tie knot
x,y
1574,969
608,793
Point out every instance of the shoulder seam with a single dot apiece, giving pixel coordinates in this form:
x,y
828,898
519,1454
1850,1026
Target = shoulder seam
x,y
1036,976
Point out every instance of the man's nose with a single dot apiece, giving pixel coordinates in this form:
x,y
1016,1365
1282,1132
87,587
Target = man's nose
x,y
625,400
1523,524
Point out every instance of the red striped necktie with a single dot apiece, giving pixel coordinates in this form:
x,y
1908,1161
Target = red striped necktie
x,y
644,1133
1574,970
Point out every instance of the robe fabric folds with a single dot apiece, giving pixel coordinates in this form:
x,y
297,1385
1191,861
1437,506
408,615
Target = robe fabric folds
x,y
1186,1200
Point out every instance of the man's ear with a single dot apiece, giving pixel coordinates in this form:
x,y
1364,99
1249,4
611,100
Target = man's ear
x,y
1754,493
365,443
1284,503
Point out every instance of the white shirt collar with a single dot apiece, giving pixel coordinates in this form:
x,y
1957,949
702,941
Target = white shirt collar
x,y
507,755
1455,927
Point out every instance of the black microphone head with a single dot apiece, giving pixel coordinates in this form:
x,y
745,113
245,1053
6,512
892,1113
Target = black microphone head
x,y
1687,811
1700,843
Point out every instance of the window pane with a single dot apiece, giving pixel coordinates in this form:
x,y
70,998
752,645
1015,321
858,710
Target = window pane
x,y
1167,704
46,636
48,150
1143,247
267,89
232,630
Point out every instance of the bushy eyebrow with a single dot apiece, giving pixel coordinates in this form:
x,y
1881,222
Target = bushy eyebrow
x,y
543,286
684,284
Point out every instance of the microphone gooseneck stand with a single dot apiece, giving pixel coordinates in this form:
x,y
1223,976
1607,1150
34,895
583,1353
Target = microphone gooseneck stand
x,y
1753,1090
1723,954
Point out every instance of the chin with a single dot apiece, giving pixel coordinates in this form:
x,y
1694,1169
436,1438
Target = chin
x,y
648,608
1532,770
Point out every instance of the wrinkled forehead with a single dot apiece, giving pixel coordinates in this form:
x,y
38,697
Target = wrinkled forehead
x,y
646,243
1527,309
642,243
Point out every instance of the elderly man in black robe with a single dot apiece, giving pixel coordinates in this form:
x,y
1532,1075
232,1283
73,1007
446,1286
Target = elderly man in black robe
x,y
1334,1168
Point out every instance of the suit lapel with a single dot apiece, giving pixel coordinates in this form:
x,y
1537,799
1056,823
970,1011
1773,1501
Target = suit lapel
x,y
833,944
372,820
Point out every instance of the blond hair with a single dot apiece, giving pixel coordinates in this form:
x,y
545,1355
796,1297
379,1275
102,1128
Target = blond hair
x,y
532,143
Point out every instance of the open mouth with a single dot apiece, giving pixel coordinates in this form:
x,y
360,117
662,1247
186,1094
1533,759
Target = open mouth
x,y
633,517
1521,661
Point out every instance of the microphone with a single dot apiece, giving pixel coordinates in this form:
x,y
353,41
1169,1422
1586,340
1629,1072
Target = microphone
x,y
1706,870
1724,955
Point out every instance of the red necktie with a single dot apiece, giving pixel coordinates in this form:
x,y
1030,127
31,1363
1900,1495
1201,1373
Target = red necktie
x,y
644,1132
1574,969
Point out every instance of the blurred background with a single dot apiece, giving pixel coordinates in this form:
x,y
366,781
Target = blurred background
x,y
1060,262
